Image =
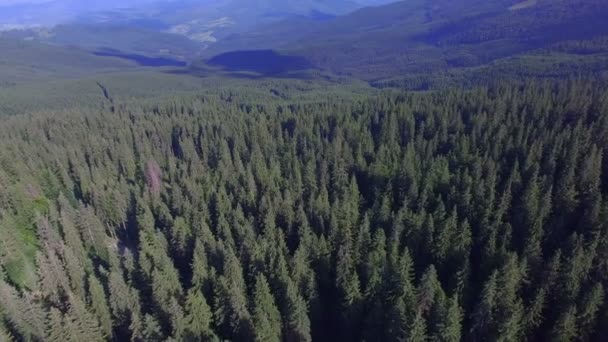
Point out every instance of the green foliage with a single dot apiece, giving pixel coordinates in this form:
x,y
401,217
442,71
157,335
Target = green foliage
x,y
99,305
198,317
239,214
266,316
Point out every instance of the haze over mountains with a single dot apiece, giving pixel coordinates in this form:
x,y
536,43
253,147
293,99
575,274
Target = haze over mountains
x,y
125,25
421,36
416,42
26,13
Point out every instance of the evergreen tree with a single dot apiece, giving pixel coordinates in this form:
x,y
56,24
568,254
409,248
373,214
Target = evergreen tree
x,y
450,327
199,318
152,330
297,326
565,328
587,315
416,331
26,315
81,324
483,319
99,306
55,329
266,316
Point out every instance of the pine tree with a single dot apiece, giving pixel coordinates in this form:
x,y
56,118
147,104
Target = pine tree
x,y
53,279
92,232
533,316
297,326
565,328
230,301
151,329
416,331
82,324
400,295
99,306
450,327
483,319
180,235
510,308
198,319
26,315
349,299
125,304
76,272
55,329
429,291
200,267
266,316
589,308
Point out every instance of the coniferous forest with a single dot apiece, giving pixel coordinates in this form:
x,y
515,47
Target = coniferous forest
x,y
474,215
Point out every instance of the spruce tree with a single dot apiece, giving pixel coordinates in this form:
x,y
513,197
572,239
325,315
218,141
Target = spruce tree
x,y
99,305
266,316
198,318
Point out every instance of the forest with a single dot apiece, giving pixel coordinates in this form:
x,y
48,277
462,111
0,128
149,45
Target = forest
x,y
452,215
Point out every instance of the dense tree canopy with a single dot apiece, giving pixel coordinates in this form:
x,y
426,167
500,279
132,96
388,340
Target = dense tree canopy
x,y
459,215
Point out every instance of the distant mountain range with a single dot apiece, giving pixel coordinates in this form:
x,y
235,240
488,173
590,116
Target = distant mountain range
x,y
53,12
413,43
146,26
427,36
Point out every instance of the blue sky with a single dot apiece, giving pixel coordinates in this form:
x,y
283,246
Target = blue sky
x,y
12,2
93,3
27,13
34,12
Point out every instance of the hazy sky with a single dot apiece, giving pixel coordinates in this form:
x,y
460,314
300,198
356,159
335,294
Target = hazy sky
x,y
45,12
19,13
12,2
94,3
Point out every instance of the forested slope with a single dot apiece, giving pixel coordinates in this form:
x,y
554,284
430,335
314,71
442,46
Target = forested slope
x,y
423,37
477,215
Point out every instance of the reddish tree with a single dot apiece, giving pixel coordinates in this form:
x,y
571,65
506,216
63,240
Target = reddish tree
x,y
153,176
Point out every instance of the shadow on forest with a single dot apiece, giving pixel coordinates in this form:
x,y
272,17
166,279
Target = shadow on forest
x,y
247,75
262,62
141,59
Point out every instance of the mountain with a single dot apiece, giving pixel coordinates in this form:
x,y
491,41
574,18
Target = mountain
x,y
424,36
201,20
23,61
180,28
210,21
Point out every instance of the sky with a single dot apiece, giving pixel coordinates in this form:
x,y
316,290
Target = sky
x,y
32,12
13,2
29,13
80,3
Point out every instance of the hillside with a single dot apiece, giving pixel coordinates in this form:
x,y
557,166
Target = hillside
x,y
25,61
423,36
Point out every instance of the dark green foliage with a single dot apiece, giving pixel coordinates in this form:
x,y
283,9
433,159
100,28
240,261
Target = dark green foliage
x,y
266,316
457,215
198,317
99,305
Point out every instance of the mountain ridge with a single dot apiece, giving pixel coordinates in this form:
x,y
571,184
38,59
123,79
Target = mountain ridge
x,y
426,35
